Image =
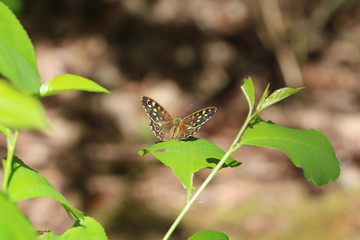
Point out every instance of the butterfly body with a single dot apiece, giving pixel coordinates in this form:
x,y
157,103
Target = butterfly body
x,y
166,127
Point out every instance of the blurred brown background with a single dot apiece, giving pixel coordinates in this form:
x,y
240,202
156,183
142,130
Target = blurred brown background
x,y
190,54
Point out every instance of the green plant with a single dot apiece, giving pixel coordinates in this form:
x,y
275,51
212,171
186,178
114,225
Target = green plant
x,y
306,148
21,109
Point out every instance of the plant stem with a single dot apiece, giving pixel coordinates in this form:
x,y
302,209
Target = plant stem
x,y
235,145
188,196
11,140
196,195
237,142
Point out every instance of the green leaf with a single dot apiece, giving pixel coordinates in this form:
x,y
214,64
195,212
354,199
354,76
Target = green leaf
x,y
90,230
16,6
6,131
248,89
27,183
17,61
209,234
187,157
69,82
277,96
19,110
263,97
13,224
307,149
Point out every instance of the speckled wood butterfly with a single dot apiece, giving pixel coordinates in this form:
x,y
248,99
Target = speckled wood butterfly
x,y
166,127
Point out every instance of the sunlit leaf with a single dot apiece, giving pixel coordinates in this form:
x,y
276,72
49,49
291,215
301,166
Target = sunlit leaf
x,y
13,224
69,82
17,61
6,131
248,89
16,6
89,230
209,234
307,149
277,96
19,110
27,183
187,157
263,97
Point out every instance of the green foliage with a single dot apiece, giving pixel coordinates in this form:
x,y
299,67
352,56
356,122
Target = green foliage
x,y
69,82
19,110
275,97
187,157
16,6
306,148
248,88
13,224
17,61
209,234
263,97
266,100
27,183
89,230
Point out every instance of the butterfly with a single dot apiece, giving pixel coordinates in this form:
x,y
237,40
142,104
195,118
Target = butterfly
x,y
166,127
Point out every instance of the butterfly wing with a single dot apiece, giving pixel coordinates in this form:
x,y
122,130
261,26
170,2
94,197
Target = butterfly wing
x,y
160,119
193,122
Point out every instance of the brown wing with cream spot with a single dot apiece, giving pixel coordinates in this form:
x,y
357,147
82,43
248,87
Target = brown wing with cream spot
x,y
160,119
193,122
